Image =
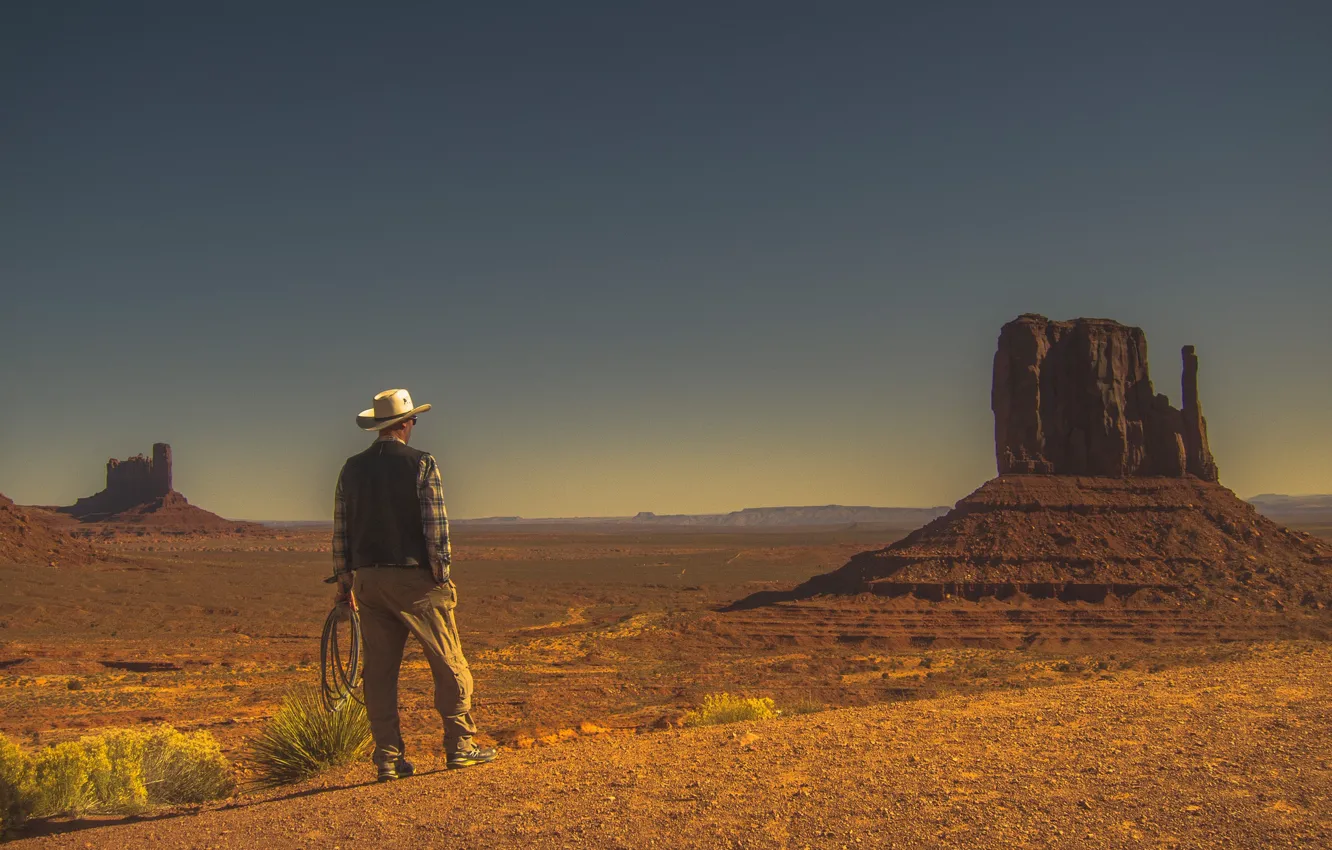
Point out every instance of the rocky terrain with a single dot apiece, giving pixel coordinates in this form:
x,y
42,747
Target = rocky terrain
x,y
1228,754
34,535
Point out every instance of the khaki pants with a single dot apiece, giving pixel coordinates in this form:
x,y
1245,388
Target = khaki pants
x,y
393,602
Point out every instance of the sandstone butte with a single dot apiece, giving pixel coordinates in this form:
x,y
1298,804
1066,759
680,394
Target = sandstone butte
x,y
1104,491
1075,398
139,495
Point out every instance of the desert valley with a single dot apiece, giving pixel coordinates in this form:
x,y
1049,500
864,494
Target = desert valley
x,y
1102,646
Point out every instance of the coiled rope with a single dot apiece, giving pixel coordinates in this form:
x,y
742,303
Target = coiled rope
x,y
339,679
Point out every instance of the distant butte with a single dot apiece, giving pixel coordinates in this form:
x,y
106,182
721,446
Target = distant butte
x,y
139,494
1105,491
130,484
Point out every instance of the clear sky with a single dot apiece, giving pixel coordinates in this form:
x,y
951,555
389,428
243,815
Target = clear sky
x,y
645,256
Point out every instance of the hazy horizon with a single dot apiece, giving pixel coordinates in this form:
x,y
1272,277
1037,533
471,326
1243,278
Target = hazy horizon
x,y
686,259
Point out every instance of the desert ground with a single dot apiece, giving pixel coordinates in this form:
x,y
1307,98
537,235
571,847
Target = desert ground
x,y
1016,723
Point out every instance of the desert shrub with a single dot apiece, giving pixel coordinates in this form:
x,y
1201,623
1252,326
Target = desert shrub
x,y
16,790
180,768
126,770
116,771
63,779
724,708
304,738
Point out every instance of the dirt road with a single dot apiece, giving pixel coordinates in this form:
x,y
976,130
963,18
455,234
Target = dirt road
x,y
1231,754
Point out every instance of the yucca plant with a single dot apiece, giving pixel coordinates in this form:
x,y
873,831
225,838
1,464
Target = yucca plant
x,y
304,738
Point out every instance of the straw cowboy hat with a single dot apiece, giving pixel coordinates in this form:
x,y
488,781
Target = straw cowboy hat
x,y
391,407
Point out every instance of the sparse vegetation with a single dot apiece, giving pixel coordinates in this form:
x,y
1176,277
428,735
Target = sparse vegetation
x,y
118,772
304,739
724,708
16,792
805,704
180,768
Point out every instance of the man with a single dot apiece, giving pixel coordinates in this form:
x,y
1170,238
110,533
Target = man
x,y
391,550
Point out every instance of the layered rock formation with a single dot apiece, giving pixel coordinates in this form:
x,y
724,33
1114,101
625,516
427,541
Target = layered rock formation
x,y
1104,490
37,536
1075,398
139,494
1086,538
129,483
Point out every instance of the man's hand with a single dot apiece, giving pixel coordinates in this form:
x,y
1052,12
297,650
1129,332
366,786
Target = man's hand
x,y
440,570
343,594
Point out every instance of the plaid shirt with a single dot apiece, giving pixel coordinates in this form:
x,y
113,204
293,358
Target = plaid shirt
x,y
434,522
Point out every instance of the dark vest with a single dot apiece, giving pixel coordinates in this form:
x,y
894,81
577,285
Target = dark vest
x,y
383,509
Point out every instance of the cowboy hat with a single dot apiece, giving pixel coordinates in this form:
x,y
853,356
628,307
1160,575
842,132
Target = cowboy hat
x,y
391,407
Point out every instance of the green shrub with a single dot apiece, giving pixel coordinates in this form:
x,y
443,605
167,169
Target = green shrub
x,y
125,771
724,708
304,738
63,779
16,789
180,768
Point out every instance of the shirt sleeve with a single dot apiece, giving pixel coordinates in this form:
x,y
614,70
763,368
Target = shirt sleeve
x,y
339,531
434,518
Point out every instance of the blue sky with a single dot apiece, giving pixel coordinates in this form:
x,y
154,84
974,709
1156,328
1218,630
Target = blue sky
x,y
664,257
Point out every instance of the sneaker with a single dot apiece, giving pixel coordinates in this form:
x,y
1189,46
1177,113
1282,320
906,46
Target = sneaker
x,y
467,758
398,769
